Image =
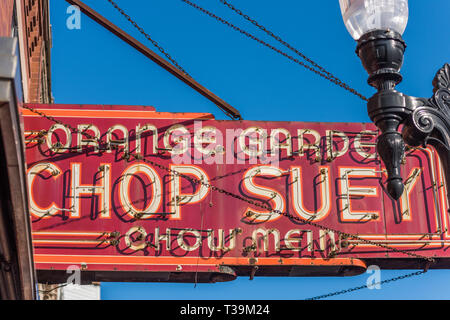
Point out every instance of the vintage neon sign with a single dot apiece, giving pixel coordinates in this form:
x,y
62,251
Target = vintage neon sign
x,y
139,183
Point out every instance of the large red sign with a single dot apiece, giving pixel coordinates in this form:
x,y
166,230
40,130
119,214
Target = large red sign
x,y
128,193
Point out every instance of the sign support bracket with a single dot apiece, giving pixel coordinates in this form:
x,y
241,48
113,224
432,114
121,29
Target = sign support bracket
x,y
108,25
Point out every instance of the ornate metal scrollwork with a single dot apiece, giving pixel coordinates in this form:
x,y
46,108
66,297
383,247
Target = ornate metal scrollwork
x,y
429,121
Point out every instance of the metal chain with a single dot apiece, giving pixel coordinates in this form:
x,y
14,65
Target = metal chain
x,y
409,275
323,72
267,207
346,235
142,31
288,215
325,75
287,45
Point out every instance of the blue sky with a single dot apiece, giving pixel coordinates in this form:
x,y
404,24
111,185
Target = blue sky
x,y
91,66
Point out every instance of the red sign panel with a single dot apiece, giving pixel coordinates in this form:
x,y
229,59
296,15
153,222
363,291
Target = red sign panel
x,y
121,190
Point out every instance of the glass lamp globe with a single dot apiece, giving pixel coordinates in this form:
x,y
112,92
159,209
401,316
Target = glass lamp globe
x,y
362,16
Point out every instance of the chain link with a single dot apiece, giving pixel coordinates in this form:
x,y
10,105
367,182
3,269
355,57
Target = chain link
x,y
324,74
332,294
142,31
287,45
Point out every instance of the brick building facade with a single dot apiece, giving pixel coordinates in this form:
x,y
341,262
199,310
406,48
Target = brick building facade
x,y
25,44
29,21
6,17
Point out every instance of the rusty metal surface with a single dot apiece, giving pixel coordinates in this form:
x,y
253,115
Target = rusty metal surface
x,y
113,208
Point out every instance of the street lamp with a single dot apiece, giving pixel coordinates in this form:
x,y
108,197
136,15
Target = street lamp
x,y
378,25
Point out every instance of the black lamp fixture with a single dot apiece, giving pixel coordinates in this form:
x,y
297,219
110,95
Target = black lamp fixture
x,y
378,25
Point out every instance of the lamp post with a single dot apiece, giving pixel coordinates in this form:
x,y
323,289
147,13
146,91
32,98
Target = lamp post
x,y
377,26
